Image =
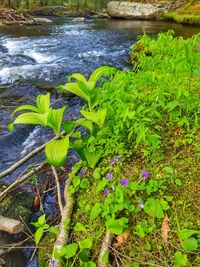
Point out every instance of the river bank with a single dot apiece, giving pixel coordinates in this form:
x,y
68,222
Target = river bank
x,y
177,11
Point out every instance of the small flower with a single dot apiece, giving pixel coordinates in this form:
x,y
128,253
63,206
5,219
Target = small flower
x,y
141,204
106,192
145,174
82,172
118,159
112,162
113,188
52,262
124,182
109,176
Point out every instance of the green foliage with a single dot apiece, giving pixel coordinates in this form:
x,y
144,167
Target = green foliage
x,y
42,226
180,259
56,151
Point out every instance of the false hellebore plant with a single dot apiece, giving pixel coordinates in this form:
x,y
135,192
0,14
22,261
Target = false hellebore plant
x,y
93,119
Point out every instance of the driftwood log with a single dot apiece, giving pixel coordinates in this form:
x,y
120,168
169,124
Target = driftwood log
x,y
11,226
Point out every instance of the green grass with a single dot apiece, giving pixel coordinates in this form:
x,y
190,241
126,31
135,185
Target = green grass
x,y
187,14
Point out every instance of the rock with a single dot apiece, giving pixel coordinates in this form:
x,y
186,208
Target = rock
x,y
135,10
42,20
51,11
78,19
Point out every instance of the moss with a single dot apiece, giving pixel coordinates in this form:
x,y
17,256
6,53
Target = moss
x,y
16,205
45,250
187,14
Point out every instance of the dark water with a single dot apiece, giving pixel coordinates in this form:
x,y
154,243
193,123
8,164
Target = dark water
x,y
31,56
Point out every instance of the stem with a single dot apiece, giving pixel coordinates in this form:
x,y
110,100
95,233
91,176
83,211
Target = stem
x,y
58,189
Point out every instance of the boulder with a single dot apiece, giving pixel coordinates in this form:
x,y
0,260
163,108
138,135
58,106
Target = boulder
x,y
78,19
135,10
42,20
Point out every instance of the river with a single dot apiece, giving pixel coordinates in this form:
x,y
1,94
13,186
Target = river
x,y
45,55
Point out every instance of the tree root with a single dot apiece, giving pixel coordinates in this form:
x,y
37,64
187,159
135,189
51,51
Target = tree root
x,y
20,181
63,236
105,249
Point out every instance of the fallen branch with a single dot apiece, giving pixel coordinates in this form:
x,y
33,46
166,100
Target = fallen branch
x,y
63,236
11,226
105,249
21,180
27,157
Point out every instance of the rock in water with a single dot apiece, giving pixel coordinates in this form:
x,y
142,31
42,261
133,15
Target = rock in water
x,y
42,20
134,10
78,20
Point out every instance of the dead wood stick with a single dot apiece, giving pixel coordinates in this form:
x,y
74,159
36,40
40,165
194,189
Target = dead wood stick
x,y
10,225
24,159
63,236
105,249
20,181
58,189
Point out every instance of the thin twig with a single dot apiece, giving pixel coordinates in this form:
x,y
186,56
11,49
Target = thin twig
x,y
58,189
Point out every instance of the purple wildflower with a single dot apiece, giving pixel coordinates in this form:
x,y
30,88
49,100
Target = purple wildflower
x,y
106,192
109,176
118,159
124,182
145,174
82,172
52,262
112,162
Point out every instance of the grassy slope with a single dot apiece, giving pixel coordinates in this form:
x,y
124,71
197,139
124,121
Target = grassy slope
x,y
164,68
189,13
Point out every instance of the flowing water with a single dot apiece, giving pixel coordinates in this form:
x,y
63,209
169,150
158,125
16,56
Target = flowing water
x,y
44,55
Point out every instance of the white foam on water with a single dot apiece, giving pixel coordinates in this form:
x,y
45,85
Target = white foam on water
x,y
93,53
30,141
5,75
23,47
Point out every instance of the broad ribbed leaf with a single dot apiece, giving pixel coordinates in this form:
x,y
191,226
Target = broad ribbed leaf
x,y
92,157
85,123
56,151
43,103
74,89
26,107
78,77
97,117
32,118
104,70
55,119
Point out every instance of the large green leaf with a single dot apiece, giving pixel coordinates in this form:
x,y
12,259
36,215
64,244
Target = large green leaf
x,y
69,251
153,208
56,151
85,123
186,233
78,77
26,107
32,118
55,117
189,244
103,70
92,157
43,103
74,89
97,117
